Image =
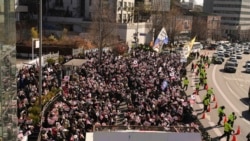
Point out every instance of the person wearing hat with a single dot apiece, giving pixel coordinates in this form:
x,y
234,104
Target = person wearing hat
x,y
221,114
185,83
227,130
206,102
210,93
232,117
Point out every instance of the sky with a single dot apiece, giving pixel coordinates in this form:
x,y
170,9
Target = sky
x,y
199,2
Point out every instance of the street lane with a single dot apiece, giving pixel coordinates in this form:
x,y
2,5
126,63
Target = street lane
x,y
231,91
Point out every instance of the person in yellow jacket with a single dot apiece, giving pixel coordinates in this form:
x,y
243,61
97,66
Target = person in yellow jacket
x,y
197,88
210,92
206,102
232,117
227,131
185,83
221,114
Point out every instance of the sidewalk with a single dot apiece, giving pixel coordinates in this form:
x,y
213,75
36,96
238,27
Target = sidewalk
x,y
196,100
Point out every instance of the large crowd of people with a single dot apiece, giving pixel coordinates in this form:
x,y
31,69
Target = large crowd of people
x,y
149,83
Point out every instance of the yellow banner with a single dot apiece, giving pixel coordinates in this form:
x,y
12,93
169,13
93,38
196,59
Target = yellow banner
x,y
192,43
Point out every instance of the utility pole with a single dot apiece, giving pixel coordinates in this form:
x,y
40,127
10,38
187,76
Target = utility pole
x,y
40,52
100,33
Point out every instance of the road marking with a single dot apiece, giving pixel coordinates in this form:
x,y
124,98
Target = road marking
x,y
225,97
208,118
232,91
216,130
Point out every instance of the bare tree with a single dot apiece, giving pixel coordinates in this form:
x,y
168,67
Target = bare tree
x,y
103,27
169,20
173,26
199,28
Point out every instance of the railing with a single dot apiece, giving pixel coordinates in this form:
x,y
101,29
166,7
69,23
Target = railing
x,y
178,129
45,109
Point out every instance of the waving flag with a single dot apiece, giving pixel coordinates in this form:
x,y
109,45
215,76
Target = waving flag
x,y
192,43
186,50
161,39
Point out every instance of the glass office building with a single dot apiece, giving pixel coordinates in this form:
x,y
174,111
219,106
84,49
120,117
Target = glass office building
x,y
8,102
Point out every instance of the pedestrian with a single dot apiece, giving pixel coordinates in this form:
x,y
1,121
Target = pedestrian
x,y
206,102
232,117
210,92
208,63
185,83
192,67
221,114
227,131
197,88
205,82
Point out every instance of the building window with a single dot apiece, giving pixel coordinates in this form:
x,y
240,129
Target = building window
x,y
120,4
90,15
59,3
125,4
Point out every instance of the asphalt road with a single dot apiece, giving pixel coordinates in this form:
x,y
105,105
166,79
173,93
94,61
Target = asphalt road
x,y
231,90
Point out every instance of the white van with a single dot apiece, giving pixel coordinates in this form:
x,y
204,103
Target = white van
x,y
197,46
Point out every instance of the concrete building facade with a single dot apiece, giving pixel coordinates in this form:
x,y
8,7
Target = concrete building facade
x,y
80,20
235,17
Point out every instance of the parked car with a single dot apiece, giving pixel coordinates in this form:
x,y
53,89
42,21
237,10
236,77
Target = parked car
x,y
247,68
238,56
232,60
217,60
246,51
227,54
247,62
212,47
230,67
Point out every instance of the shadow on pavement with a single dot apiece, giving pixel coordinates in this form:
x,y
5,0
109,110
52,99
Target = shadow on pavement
x,y
197,110
245,100
211,127
222,70
246,115
244,72
215,139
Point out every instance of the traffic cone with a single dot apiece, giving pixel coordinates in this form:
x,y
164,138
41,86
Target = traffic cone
x,y
214,99
203,116
206,87
238,131
216,105
225,119
208,109
234,138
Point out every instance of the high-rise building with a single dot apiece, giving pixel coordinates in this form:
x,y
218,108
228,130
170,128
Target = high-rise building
x,y
8,118
208,6
235,17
